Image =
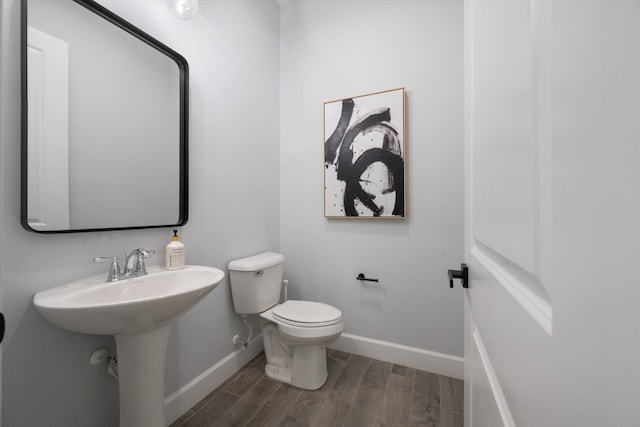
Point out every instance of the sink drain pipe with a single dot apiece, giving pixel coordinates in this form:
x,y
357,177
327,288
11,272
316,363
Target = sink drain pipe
x,y
102,357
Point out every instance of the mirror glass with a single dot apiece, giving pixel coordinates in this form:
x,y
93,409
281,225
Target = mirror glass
x,y
104,122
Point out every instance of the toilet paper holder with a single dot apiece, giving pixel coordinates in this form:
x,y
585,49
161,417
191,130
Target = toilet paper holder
x,y
362,277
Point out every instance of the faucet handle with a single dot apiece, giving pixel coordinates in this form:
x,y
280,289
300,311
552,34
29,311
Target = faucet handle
x,y
114,268
135,261
141,268
147,253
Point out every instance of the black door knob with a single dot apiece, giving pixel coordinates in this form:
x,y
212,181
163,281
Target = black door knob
x,y
462,274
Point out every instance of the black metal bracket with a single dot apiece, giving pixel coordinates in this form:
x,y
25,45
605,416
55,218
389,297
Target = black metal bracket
x,y
362,277
462,274
2,327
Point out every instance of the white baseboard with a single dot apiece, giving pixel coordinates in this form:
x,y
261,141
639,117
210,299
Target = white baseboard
x,y
431,361
197,389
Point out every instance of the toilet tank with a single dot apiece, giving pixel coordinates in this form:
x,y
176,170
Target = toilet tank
x,y
256,282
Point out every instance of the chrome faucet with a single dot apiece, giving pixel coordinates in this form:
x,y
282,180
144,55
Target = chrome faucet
x,y
114,269
134,264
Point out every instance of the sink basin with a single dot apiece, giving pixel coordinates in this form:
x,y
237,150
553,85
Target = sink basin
x,y
138,312
130,306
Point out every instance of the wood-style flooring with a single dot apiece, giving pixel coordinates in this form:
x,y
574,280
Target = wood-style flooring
x,y
359,392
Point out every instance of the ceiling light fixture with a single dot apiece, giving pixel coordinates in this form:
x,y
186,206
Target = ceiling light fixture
x,y
184,9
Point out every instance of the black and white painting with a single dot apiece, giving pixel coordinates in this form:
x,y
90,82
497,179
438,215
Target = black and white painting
x,y
364,156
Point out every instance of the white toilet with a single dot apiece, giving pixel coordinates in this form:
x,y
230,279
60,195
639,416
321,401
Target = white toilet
x,y
295,333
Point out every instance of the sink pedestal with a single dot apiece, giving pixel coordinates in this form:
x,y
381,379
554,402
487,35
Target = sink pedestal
x,y
141,368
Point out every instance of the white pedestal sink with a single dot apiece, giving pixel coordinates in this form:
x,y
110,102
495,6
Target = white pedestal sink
x,y
138,312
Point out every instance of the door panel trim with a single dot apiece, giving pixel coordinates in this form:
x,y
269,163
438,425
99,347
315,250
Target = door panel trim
x,y
496,390
519,284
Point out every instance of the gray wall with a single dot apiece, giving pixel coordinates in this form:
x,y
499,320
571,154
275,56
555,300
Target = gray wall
x,y
337,49
246,58
234,173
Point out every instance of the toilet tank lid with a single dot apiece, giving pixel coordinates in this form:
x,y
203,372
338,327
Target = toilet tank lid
x,y
256,262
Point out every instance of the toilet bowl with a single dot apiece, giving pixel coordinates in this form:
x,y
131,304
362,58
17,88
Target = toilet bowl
x,y
295,336
295,333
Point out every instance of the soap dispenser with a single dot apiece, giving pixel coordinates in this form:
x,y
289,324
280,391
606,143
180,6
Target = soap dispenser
x,y
175,255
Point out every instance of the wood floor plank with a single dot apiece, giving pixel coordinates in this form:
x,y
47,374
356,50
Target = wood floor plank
x,y
349,381
397,399
342,355
367,407
358,419
275,410
334,413
184,417
289,421
249,404
377,374
425,401
246,379
403,370
222,386
452,394
212,410
311,401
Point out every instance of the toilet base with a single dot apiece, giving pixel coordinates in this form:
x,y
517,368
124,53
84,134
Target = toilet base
x,y
291,361
278,373
307,369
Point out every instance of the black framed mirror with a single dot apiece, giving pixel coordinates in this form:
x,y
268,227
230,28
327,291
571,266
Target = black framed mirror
x,y
104,122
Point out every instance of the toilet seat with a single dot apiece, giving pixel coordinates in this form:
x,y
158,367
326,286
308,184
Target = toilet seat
x,y
307,314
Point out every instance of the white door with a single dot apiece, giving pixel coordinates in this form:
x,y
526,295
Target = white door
x,y
48,133
552,134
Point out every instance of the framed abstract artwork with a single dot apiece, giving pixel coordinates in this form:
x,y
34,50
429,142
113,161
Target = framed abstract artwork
x,y
364,156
